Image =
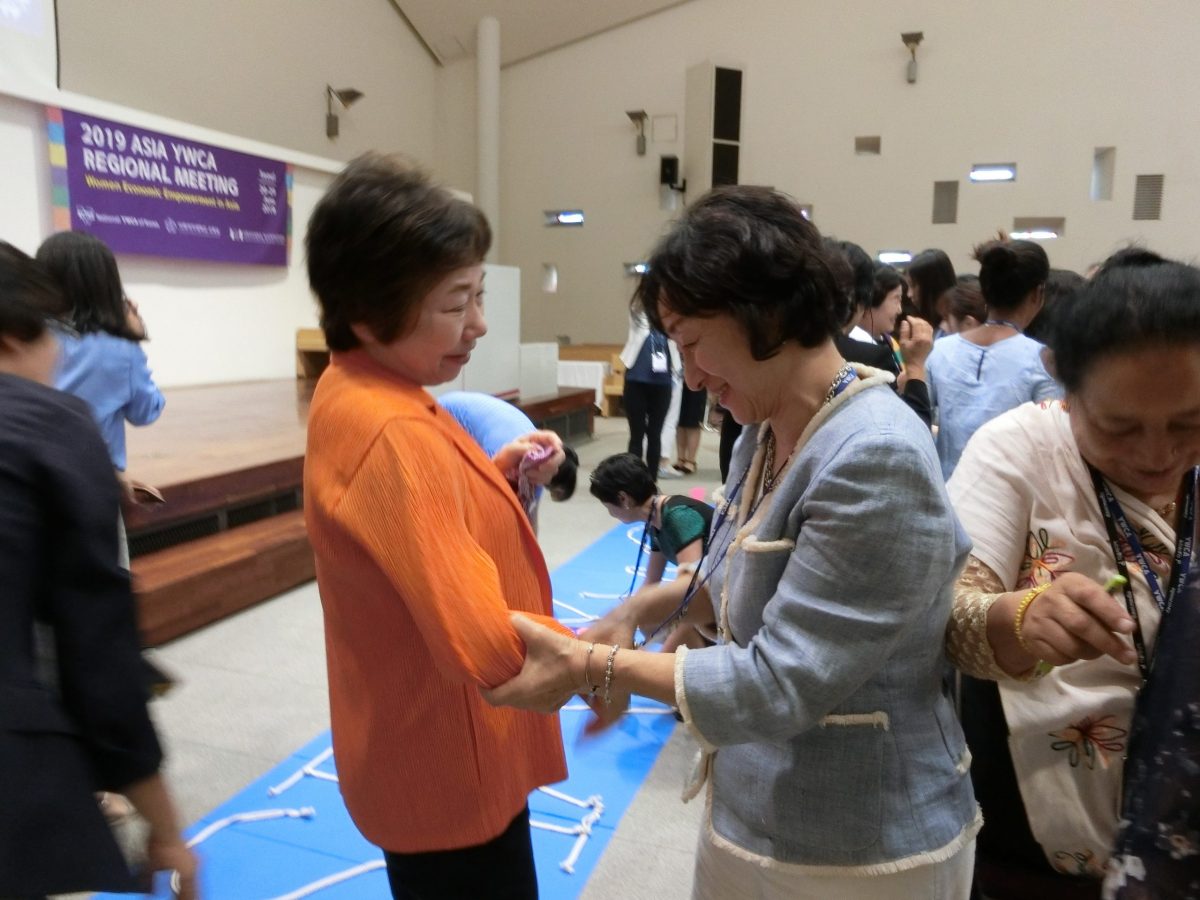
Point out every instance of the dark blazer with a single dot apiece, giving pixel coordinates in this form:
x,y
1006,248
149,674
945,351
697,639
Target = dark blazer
x,y
73,716
877,356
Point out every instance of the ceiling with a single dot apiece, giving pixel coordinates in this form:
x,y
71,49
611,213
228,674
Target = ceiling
x,y
527,27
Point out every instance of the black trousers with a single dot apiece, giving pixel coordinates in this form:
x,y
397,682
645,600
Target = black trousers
x,y
646,408
501,869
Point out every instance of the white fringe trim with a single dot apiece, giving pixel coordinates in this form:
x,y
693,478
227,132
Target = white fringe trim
x,y
756,546
891,867
964,762
681,701
878,719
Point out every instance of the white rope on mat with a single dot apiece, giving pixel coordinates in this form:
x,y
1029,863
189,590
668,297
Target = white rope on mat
x,y
582,831
261,815
310,769
632,711
331,880
587,617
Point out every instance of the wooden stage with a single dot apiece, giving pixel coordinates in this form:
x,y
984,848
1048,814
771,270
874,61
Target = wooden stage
x,y
229,461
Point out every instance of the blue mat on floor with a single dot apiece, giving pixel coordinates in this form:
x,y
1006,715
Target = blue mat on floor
x,y
256,860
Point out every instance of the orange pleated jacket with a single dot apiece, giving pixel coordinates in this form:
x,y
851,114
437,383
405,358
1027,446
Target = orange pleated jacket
x,y
421,552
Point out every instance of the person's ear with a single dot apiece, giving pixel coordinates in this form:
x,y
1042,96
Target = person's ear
x,y
364,333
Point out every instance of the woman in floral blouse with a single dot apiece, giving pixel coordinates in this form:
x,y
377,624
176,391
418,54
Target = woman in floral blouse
x,y
1058,498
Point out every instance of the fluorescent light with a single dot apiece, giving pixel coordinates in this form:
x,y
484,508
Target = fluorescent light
x,y
994,172
1038,234
894,257
564,216
636,268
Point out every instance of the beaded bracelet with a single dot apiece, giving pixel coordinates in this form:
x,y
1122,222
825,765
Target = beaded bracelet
x,y
587,670
1019,618
608,674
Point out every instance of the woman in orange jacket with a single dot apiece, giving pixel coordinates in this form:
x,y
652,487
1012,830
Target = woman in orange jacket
x,y
422,548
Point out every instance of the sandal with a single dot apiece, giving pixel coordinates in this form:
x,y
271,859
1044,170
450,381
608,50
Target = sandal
x,y
686,466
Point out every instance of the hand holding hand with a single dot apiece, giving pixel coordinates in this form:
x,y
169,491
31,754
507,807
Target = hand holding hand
x,y
552,673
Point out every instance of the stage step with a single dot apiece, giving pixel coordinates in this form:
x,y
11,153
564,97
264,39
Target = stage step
x,y
191,585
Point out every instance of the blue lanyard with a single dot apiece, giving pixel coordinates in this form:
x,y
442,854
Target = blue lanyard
x,y
693,585
721,521
1118,526
641,549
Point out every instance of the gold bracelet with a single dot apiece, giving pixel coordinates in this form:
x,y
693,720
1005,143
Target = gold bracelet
x,y
1019,618
587,670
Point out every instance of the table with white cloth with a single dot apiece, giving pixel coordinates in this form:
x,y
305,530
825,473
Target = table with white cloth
x,y
583,373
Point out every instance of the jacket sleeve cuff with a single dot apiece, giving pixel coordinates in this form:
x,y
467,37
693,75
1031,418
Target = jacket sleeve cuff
x,y
681,701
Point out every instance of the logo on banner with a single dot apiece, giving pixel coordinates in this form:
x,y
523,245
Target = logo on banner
x,y
86,215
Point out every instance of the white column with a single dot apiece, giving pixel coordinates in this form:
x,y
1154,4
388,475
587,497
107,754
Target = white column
x,y
487,110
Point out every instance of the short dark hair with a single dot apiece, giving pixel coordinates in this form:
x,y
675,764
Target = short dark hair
x,y
1138,298
28,295
379,240
562,485
885,279
931,273
747,252
843,273
1060,283
87,272
965,299
1009,270
622,472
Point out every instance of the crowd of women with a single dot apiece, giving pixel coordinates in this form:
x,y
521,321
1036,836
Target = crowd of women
x,y
912,664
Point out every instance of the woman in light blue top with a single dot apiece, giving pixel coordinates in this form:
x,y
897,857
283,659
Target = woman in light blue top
x,y
834,764
104,364
975,375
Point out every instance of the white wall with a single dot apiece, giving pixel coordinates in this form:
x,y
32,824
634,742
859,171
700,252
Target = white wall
x,y
247,76
258,69
1041,84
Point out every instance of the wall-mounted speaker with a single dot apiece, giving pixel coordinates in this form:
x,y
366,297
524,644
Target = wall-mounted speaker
x,y
668,170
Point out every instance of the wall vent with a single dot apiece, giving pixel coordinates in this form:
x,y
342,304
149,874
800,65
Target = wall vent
x,y
868,146
1038,228
945,202
1147,197
1104,167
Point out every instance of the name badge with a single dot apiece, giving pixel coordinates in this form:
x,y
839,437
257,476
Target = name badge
x,y
658,361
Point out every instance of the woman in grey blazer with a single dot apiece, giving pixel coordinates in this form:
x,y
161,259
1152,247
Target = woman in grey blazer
x,y
834,764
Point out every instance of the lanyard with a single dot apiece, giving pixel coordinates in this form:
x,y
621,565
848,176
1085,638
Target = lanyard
x,y
1118,526
641,549
694,585
1013,325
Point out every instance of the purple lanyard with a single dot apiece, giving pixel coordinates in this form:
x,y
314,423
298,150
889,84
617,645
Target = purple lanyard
x,y
1118,526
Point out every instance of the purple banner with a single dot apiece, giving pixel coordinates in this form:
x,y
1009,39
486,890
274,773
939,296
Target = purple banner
x,y
144,192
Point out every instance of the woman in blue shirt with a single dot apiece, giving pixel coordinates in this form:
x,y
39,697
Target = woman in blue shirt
x,y
976,375
103,364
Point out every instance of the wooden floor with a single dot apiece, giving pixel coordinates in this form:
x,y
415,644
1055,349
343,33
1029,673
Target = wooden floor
x,y
206,431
